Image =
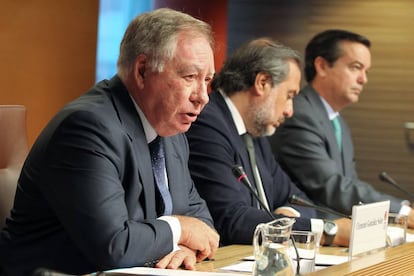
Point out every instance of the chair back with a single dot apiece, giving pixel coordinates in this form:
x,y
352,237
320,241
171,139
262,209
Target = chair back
x,y
13,151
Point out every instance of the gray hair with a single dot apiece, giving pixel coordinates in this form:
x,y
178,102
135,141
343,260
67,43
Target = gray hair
x,y
154,34
258,55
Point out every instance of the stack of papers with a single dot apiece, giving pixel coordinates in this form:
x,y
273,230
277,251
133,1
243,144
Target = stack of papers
x,y
161,272
321,261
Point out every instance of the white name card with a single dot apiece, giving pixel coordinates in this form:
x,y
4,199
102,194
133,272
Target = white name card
x,y
369,227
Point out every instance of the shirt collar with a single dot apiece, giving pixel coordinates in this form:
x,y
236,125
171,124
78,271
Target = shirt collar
x,y
332,114
235,114
150,133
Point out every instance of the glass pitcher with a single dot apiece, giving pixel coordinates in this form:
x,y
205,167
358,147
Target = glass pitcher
x,y
271,246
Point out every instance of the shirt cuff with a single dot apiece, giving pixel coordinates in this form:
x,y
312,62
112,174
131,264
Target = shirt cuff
x,y
405,210
317,228
175,227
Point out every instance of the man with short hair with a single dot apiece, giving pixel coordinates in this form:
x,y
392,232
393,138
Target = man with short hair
x,y
106,185
252,95
315,146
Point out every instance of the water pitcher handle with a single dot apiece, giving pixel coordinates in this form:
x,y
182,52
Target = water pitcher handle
x,y
258,233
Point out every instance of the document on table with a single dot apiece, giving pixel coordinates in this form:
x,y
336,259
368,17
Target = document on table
x,y
161,272
321,261
409,237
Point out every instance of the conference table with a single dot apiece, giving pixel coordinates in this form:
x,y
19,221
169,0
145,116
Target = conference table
x,y
397,260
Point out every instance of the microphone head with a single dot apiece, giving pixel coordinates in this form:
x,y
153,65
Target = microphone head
x,y
296,200
293,199
238,171
382,176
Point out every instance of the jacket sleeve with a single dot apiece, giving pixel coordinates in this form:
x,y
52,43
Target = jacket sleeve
x,y
87,181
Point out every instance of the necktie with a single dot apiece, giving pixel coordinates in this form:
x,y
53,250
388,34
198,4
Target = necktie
x,y
158,167
338,132
252,156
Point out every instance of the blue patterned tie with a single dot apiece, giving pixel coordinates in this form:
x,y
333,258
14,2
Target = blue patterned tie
x,y
158,167
338,131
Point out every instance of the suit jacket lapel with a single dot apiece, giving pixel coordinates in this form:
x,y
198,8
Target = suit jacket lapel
x,y
325,124
237,139
133,127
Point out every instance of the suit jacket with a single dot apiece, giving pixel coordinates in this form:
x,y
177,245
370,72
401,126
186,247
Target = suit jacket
x,y
215,147
85,199
306,148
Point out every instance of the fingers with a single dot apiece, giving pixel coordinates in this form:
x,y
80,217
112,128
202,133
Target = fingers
x,y
288,212
411,219
183,257
198,236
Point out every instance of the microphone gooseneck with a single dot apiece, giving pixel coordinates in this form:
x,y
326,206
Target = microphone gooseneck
x,y
240,174
383,176
294,199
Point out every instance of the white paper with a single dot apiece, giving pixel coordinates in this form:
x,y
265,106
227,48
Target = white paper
x,y
321,260
328,260
409,237
395,235
246,266
166,272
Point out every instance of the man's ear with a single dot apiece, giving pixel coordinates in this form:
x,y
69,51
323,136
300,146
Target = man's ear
x,y
139,70
320,65
260,83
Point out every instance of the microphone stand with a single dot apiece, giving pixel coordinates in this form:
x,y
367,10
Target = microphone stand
x,y
383,176
294,199
240,174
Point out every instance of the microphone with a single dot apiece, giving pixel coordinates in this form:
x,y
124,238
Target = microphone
x,y
240,174
294,199
383,176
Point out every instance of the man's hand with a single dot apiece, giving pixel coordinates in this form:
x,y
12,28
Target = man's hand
x,y
184,257
287,211
198,236
343,235
344,232
410,219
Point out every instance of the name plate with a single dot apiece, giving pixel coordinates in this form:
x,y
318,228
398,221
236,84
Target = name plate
x,y
369,227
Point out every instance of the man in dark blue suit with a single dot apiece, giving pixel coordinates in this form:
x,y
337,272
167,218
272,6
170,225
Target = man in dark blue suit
x,y
87,195
252,95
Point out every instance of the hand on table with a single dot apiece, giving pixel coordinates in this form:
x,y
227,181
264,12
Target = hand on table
x,y
183,257
410,219
198,236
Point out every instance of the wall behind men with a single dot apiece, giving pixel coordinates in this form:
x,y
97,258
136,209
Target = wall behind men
x,y
387,101
47,55
48,50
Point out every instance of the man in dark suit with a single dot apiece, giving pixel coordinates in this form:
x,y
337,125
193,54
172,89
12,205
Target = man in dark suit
x,y
86,198
307,146
252,95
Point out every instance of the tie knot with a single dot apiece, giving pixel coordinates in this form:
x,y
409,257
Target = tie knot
x,y
156,149
336,123
155,144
